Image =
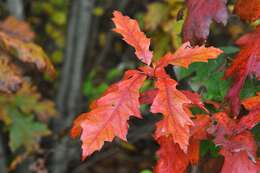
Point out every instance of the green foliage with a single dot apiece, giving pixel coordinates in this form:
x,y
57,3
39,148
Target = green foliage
x,y
250,88
210,76
92,88
24,131
208,147
164,25
256,133
23,111
17,112
55,24
146,171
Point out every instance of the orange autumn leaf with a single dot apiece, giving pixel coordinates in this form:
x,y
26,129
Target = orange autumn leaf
x,y
173,105
186,55
171,157
198,133
179,133
248,10
195,99
249,121
252,102
201,123
76,129
194,151
132,34
148,96
110,114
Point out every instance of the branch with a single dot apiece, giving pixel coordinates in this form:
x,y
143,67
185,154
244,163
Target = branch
x,y
3,164
71,81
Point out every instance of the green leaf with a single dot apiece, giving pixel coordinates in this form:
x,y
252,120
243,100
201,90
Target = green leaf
x,y
256,132
59,17
25,132
208,147
146,171
209,75
250,88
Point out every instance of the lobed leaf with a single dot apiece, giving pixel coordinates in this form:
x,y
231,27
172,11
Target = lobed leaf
x,y
186,55
171,103
238,163
25,132
172,158
110,113
131,33
201,13
245,63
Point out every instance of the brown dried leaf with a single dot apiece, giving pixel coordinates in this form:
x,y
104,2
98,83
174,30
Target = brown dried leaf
x,y
27,52
18,29
10,80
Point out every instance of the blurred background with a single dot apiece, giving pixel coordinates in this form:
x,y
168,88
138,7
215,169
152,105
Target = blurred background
x,y
77,38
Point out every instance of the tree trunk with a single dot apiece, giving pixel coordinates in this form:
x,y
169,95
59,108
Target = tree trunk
x,y
3,164
16,9
69,92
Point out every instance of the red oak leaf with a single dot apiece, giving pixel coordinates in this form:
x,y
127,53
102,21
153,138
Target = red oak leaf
x,y
222,126
233,135
131,33
201,13
238,162
201,123
246,62
249,121
195,99
171,103
149,71
198,132
194,151
241,142
240,154
252,103
148,96
110,114
248,10
171,158
237,147
186,55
